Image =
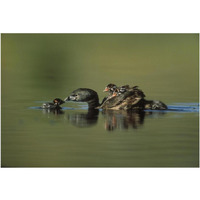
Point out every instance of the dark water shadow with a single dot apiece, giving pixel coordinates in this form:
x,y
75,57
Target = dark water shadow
x,y
82,119
122,120
113,120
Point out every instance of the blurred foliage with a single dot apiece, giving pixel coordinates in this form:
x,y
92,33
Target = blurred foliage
x,y
163,65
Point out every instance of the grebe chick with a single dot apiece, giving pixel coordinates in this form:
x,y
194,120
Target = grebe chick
x,y
55,105
110,88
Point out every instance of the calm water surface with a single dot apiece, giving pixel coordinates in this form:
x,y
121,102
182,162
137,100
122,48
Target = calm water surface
x,y
39,68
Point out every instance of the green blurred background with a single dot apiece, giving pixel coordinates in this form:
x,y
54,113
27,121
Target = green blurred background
x,y
49,65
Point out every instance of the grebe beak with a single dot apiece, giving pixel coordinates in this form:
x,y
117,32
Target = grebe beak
x,y
70,98
67,99
114,94
106,89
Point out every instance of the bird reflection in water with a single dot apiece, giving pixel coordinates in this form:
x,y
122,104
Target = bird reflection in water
x,y
114,120
82,119
123,119
52,111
